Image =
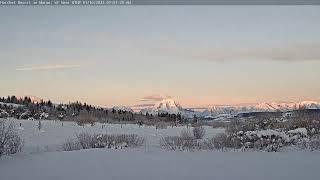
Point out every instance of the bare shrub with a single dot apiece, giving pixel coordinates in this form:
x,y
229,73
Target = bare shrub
x,y
199,132
220,141
185,141
170,142
188,141
10,141
86,140
186,134
134,140
71,145
119,140
209,144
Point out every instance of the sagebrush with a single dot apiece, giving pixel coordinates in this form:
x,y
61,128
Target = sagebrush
x,y
185,141
10,141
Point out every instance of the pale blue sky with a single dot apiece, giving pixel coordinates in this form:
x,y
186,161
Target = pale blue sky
x,y
198,55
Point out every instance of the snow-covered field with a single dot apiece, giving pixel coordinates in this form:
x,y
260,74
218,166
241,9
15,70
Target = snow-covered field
x,y
42,159
54,133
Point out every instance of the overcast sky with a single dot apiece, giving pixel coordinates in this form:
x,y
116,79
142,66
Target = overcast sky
x,y
199,55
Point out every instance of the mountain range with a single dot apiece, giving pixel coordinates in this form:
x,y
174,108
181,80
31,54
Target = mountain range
x,y
172,107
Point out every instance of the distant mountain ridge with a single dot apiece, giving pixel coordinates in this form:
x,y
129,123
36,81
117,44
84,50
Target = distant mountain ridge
x,y
172,107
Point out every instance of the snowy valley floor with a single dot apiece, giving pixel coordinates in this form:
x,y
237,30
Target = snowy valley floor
x,y
42,158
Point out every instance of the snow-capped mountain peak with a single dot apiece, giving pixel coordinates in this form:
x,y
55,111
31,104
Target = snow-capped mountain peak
x,y
166,105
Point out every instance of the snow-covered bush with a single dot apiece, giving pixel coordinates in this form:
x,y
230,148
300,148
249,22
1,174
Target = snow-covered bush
x,y
296,135
10,141
116,141
266,140
303,143
25,115
185,141
3,114
199,132
43,115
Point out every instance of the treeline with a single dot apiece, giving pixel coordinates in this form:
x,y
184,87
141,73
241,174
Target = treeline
x,y
25,108
24,101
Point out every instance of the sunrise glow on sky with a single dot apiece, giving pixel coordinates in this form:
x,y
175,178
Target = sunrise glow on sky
x,y
130,56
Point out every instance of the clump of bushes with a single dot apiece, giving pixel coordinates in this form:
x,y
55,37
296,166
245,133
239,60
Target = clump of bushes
x,y
264,140
10,141
115,141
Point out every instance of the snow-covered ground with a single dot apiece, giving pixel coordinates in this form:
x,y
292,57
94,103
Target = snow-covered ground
x,y
42,159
